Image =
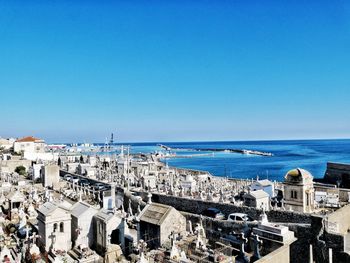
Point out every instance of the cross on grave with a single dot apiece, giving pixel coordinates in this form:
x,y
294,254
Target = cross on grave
x,y
34,237
27,232
142,245
53,240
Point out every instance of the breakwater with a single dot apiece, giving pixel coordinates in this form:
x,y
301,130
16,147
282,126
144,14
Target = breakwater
x,y
241,151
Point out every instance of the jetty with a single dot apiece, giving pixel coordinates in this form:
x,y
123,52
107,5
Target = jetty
x,y
190,155
241,151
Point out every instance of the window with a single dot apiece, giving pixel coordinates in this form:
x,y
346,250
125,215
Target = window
x,y
61,227
54,227
293,194
100,228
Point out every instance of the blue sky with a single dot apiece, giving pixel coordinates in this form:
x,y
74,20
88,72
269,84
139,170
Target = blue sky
x,y
175,70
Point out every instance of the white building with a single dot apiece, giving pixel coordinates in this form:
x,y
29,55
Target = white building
x,y
54,226
6,143
30,145
257,199
265,185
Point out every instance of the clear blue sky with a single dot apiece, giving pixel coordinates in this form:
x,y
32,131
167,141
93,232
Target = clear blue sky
x,y
174,70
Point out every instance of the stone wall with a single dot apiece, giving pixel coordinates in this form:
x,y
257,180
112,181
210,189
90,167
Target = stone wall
x,y
281,254
338,174
344,194
198,206
212,225
339,221
9,166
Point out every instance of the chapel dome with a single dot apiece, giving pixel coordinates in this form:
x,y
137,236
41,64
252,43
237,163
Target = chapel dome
x,y
298,175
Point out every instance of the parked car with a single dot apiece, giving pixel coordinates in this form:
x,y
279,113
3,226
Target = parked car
x,y
239,217
84,182
99,186
75,179
68,177
213,213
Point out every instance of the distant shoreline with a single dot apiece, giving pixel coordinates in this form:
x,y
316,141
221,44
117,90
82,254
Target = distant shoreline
x,y
214,141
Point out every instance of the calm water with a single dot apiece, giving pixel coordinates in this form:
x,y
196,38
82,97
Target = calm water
x,y
311,155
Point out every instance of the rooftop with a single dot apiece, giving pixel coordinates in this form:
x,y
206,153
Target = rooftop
x,y
155,213
29,139
80,208
258,194
264,182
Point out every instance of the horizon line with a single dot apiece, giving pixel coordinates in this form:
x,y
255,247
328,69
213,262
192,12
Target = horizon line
x,y
200,141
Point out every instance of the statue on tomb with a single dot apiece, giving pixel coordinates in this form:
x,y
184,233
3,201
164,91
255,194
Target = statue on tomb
x,y
189,224
109,238
201,195
263,217
149,198
319,243
233,199
242,256
142,245
282,205
174,253
23,220
138,210
209,196
130,209
257,244
47,194
31,210
201,237
221,199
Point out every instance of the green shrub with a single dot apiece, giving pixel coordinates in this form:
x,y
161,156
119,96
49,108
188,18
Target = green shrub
x,y
20,170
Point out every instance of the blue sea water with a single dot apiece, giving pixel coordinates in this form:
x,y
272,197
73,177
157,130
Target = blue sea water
x,y
311,155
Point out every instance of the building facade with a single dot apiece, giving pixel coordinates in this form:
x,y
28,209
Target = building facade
x,y
299,192
54,226
29,144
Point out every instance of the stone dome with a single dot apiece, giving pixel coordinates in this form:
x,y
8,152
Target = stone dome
x,y
298,175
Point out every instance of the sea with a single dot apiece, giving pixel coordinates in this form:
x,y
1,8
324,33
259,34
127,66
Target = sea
x,y
311,155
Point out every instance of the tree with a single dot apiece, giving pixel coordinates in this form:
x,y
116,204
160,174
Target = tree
x,y
21,170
